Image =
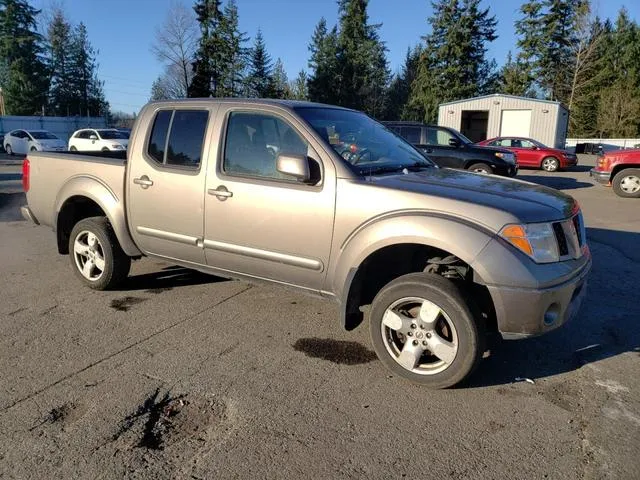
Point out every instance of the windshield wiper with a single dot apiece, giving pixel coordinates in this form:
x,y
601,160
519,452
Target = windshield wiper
x,y
413,167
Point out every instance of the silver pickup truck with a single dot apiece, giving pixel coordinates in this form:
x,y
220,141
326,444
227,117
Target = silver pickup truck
x,y
328,201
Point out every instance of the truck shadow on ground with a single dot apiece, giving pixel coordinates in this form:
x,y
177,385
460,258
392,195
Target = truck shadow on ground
x,y
559,183
606,326
167,279
10,204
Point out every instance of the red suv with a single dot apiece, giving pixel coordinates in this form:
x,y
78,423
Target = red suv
x,y
532,153
621,170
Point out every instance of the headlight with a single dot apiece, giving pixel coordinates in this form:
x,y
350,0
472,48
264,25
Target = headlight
x,y
535,239
507,157
117,146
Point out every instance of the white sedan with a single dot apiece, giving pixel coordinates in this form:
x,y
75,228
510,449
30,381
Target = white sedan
x,y
25,141
98,140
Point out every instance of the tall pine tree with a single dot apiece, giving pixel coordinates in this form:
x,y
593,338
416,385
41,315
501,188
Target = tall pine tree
x,y
87,89
237,53
325,78
453,64
260,82
209,67
400,87
61,95
22,52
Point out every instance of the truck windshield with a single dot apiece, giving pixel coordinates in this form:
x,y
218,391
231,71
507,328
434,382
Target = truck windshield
x,y
364,143
112,135
43,136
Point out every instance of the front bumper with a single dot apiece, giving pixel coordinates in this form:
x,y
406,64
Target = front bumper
x,y
601,177
523,312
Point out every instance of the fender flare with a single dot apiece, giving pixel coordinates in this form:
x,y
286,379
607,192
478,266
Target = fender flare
x,y
99,192
458,236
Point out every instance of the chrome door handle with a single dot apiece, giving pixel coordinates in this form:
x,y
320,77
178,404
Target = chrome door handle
x,y
143,181
221,192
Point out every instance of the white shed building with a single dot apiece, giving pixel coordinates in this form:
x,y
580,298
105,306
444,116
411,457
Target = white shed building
x,y
506,115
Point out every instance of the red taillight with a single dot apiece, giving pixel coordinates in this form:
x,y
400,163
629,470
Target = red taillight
x,y
26,170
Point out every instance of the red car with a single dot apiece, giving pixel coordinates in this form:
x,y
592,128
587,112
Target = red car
x,y
619,169
532,153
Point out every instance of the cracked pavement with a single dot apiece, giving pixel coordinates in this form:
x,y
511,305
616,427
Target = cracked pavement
x,y
86,377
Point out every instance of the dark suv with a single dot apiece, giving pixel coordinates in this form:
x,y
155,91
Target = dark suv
x,y
449,148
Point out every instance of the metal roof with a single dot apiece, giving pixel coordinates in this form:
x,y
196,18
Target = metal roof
x,y
501,95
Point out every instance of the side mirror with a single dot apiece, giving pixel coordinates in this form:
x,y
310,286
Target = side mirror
x,y
294,165
453,142
93,137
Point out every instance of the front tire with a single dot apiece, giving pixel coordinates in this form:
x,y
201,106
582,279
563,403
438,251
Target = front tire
x,y
480,168
550,164
34,149
626,183
423,330
95,254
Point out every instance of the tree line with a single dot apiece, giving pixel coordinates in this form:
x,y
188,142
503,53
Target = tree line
x,y
50,74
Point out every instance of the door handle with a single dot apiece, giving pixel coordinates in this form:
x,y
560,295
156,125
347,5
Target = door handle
x,y
143,181
222,193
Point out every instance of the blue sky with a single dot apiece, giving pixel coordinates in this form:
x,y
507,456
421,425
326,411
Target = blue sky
x,y
123,31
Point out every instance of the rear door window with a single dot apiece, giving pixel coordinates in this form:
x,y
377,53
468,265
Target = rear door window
x,y
411,134
186,138
177,137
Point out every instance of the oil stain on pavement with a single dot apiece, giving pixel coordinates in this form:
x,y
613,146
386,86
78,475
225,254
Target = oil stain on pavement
x,y
336,351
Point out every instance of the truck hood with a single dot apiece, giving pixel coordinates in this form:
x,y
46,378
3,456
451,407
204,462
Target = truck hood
x,y
527,202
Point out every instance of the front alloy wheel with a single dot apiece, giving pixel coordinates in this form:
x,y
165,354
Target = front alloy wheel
x,y
550,164
422,329
419,335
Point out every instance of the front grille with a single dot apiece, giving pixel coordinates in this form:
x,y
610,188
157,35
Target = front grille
x,y
577,220
563,246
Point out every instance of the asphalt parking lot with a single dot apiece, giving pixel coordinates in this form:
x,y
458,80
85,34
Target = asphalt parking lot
x,y
180,375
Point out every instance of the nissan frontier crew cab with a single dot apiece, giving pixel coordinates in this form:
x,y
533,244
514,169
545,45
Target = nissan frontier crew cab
x,y
259,190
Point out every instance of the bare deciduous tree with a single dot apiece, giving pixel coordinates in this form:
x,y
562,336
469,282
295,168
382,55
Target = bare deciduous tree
x,y
175,45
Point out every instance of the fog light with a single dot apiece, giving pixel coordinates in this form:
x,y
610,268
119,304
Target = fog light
x,y
552,314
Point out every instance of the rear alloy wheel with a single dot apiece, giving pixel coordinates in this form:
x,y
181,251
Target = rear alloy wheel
x,y
550,164
7,148
423,330
96,255
626,183
480,168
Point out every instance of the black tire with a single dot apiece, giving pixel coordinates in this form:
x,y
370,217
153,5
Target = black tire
x,y
469,330
34,149
73,148
626,183
550,164
116,262
8,149
480,168
105,149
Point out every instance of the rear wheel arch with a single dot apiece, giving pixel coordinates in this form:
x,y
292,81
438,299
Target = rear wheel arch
x,y
86,197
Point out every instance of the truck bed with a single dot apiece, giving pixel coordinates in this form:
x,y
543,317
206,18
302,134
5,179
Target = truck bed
x,y
53,174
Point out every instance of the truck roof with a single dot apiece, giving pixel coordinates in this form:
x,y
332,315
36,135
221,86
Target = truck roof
x,y
250,101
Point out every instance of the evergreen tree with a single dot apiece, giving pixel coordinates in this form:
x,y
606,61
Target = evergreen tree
x,y
61,96
260,81
515,78
87,89
236,62
280,81
209,65
325,78
363,67
529,29
453,64
400,87
21,49
298,87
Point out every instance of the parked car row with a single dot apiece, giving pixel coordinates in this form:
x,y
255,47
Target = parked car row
x,y
22,141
